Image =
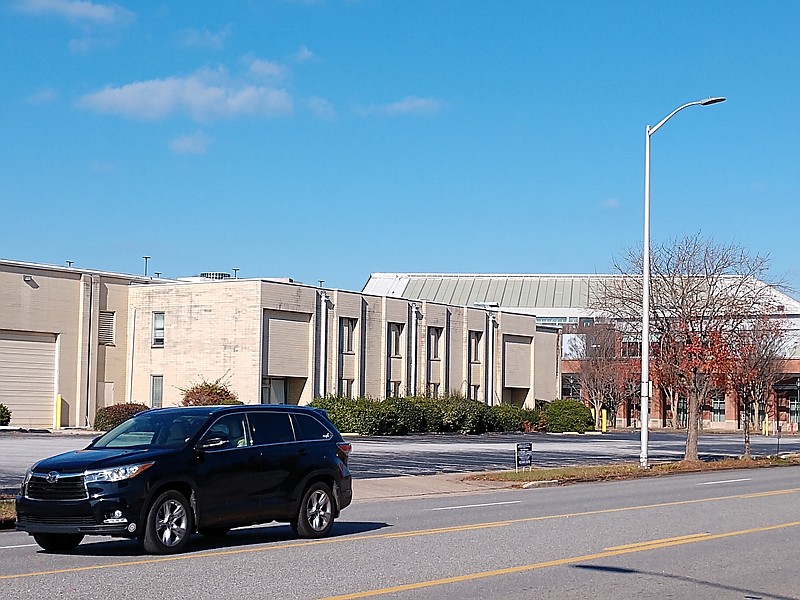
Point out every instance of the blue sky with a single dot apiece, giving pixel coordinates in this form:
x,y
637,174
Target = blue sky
x,y
325,140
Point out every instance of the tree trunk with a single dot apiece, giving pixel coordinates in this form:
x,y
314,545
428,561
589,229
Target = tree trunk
x,y
747,435
692,428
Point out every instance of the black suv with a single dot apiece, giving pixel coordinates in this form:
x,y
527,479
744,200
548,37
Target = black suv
x,y
168,472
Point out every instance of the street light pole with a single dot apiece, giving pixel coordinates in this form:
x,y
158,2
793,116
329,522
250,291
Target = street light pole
x,y
647,386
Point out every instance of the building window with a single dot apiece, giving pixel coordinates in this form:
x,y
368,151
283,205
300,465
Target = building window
x,y
473,391
395,336
434,342
718,409
474,346
105,328
347,329
393,390
346,388
794,409
156,390
158,329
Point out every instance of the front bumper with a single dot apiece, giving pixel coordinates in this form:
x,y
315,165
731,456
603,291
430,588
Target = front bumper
x,y
112,513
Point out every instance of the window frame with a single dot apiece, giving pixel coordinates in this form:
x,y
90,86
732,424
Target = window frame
x,y
155,340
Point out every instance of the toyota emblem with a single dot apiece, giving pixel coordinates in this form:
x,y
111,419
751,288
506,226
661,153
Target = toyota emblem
x,y
52,477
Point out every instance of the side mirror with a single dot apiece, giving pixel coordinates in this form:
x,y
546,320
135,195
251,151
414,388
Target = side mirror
x,y
214,443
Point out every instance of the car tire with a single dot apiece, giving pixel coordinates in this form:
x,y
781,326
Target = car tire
x,y
58,542
315,513
169,524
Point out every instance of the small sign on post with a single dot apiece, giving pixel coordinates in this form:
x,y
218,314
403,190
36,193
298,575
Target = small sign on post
x,y
524,456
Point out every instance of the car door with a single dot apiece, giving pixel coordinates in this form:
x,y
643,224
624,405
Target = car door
x,y
273,435
228,492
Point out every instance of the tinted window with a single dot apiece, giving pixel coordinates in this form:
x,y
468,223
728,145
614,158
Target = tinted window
x,y
231,428
270,427
155,429
308,428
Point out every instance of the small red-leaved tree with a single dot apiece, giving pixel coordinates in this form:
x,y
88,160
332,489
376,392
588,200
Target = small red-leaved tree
x,y
209,393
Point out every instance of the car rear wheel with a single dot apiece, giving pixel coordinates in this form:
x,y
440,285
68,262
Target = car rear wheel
x,y
169,524
58,542
315,515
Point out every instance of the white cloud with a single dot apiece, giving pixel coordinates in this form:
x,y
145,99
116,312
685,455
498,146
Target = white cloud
x,y
268,70
195,143
77,10
203,96
321,108
194,38
410,105
610,203
303,55
45,95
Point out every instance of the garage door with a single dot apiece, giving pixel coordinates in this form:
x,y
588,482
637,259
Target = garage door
x,y
27,377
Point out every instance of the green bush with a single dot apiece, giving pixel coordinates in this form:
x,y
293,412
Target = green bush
x,y
506,417
208,393
410,414
109,417
432,413
466,416
568,415
5,415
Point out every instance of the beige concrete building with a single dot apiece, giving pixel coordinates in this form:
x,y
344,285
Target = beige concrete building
x,y
73,340
62,342
276,342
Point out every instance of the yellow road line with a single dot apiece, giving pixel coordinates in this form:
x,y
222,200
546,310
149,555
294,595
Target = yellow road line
x,y
413,533
656,544
693,536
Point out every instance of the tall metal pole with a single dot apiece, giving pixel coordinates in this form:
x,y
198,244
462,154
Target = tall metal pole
x,y
644,414
646,386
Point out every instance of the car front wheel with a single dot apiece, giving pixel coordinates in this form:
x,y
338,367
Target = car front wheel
x,y
58,542
169,524
315,515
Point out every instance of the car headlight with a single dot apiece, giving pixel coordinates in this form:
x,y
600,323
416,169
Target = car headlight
x,y
24,487
115,473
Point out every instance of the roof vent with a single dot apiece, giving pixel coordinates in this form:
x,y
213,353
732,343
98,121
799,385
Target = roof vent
x,y
215,275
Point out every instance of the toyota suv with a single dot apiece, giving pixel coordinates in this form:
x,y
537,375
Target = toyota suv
x,y
166,473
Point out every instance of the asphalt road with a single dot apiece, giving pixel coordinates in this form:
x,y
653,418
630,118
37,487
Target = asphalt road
x,y
704,536
430,454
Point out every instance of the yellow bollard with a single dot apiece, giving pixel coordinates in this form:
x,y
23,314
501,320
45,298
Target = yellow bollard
x,y
604,416
57,417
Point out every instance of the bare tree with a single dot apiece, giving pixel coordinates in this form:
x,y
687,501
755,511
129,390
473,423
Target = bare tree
x,y
758,352
605,378
700,294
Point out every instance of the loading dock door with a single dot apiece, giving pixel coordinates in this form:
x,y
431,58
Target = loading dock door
x,y
27,377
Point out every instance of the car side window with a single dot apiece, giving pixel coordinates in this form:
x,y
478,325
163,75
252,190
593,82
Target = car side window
x,y
310,429
231,428
270,427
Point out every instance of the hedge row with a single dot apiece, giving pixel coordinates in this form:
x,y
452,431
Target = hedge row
x,y
400,416
109,417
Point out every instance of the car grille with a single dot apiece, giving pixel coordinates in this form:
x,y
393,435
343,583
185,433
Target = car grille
x,y
69,487
37,520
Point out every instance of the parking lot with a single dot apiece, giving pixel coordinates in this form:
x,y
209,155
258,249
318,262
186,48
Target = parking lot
x,y
443,453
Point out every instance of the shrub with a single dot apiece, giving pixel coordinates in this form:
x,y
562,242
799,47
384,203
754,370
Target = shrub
x,y
568,415
466,416
432,413
5,415
109,417
506,417
410,415
208,393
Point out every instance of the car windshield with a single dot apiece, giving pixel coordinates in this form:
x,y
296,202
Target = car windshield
x,y
153,429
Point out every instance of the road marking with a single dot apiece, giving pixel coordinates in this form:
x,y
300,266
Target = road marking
x,y
724,481
477,505
412,533
17,546
653,545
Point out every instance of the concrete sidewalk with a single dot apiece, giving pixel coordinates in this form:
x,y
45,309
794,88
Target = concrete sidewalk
x,y
384,488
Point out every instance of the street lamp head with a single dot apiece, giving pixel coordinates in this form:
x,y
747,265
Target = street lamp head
x,y
708,101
